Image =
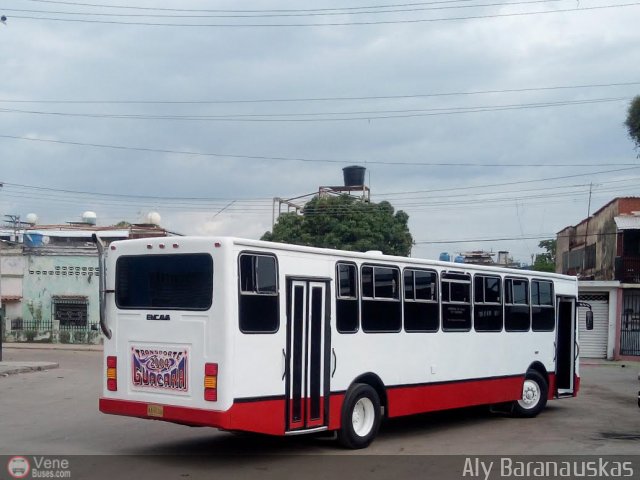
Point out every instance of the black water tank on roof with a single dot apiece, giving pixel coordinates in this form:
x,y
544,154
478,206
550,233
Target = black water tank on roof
x,y
353,176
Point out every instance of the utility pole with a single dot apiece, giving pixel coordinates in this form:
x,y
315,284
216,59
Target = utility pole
x,y
586,230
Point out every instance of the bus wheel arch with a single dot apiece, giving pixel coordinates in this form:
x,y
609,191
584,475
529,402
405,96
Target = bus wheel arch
x,y
539,367
374,382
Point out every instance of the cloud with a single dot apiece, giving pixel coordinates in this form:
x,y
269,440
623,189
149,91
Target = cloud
x,y
70,61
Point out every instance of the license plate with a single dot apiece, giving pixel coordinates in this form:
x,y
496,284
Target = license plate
x,y
155,411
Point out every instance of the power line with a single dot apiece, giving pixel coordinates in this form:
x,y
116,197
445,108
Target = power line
x,y
287,15
479,240
331,24
325,116
504,239
299,10
127,197
482,194
520,182
244,206
309,160
327,99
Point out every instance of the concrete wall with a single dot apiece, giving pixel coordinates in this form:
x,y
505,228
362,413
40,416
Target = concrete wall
x,y
11,273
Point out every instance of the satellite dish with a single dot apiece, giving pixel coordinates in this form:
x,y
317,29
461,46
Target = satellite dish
x,y
32,218
3,19
154,218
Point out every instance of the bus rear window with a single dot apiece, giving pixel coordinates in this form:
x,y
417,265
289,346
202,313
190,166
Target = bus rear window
x,y
183,282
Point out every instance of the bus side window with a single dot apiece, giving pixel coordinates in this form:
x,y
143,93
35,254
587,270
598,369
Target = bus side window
x,y
543,312
381,306
487,304
347,309
517,314
258,304
456,301
421,311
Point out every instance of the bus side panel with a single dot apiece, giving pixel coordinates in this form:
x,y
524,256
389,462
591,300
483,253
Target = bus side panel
x,y
262,416
412,399
335,410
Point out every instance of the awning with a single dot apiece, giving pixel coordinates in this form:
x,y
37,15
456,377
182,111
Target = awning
x,y
11,298
627,222
70,299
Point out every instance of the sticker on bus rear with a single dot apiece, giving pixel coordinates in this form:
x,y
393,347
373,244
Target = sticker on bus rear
x,y
160,368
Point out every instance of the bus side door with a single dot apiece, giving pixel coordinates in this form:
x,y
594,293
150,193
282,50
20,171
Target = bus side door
x,y
308,346
566,346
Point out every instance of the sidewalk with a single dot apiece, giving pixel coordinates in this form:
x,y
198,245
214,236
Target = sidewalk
x,y
611,363
11,368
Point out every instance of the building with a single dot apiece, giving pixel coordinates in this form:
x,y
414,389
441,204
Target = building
x,y
49,280
11,280
604,252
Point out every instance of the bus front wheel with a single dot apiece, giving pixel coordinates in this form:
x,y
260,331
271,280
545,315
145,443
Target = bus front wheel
x,y
360,417
534,395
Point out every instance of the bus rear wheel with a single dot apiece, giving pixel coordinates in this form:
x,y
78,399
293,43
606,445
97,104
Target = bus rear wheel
x,y
360,417
534,395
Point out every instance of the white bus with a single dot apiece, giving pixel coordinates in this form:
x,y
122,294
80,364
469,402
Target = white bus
x,y
280,339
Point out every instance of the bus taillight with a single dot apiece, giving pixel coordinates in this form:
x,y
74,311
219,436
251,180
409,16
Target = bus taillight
x,y
211,382
112,374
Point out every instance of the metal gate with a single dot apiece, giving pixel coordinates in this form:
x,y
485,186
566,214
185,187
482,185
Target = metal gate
x,y
593,343
630,328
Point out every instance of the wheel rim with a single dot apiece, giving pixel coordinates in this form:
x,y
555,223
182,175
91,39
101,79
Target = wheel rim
x,y
362,417
530,395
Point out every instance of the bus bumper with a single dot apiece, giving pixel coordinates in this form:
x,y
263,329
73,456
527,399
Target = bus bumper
x,y
261,417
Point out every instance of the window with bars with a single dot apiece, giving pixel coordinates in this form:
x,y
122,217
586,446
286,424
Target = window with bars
x,y
71,312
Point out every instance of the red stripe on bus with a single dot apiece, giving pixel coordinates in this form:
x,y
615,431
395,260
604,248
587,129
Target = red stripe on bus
x,y
552,387
444,396
268,415
335,410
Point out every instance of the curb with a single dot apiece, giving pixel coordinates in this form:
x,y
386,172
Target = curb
x,y
13,368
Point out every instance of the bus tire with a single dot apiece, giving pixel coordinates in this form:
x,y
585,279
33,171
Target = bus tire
x,y
534,396
360,417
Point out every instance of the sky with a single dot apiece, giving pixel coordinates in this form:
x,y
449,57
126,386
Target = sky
x,y
492,123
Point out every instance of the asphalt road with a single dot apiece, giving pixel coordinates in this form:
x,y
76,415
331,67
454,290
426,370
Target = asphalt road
x,y
55,412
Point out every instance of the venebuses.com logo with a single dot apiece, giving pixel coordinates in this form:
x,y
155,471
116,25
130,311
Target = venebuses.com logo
x,y
38,467
18,467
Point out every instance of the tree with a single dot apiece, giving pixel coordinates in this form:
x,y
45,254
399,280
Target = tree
x,y
345,223
546,262
633,121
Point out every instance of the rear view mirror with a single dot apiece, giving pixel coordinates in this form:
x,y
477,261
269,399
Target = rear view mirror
x,y
589,319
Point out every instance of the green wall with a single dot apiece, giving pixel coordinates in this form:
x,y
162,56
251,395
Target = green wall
x,y
47,276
